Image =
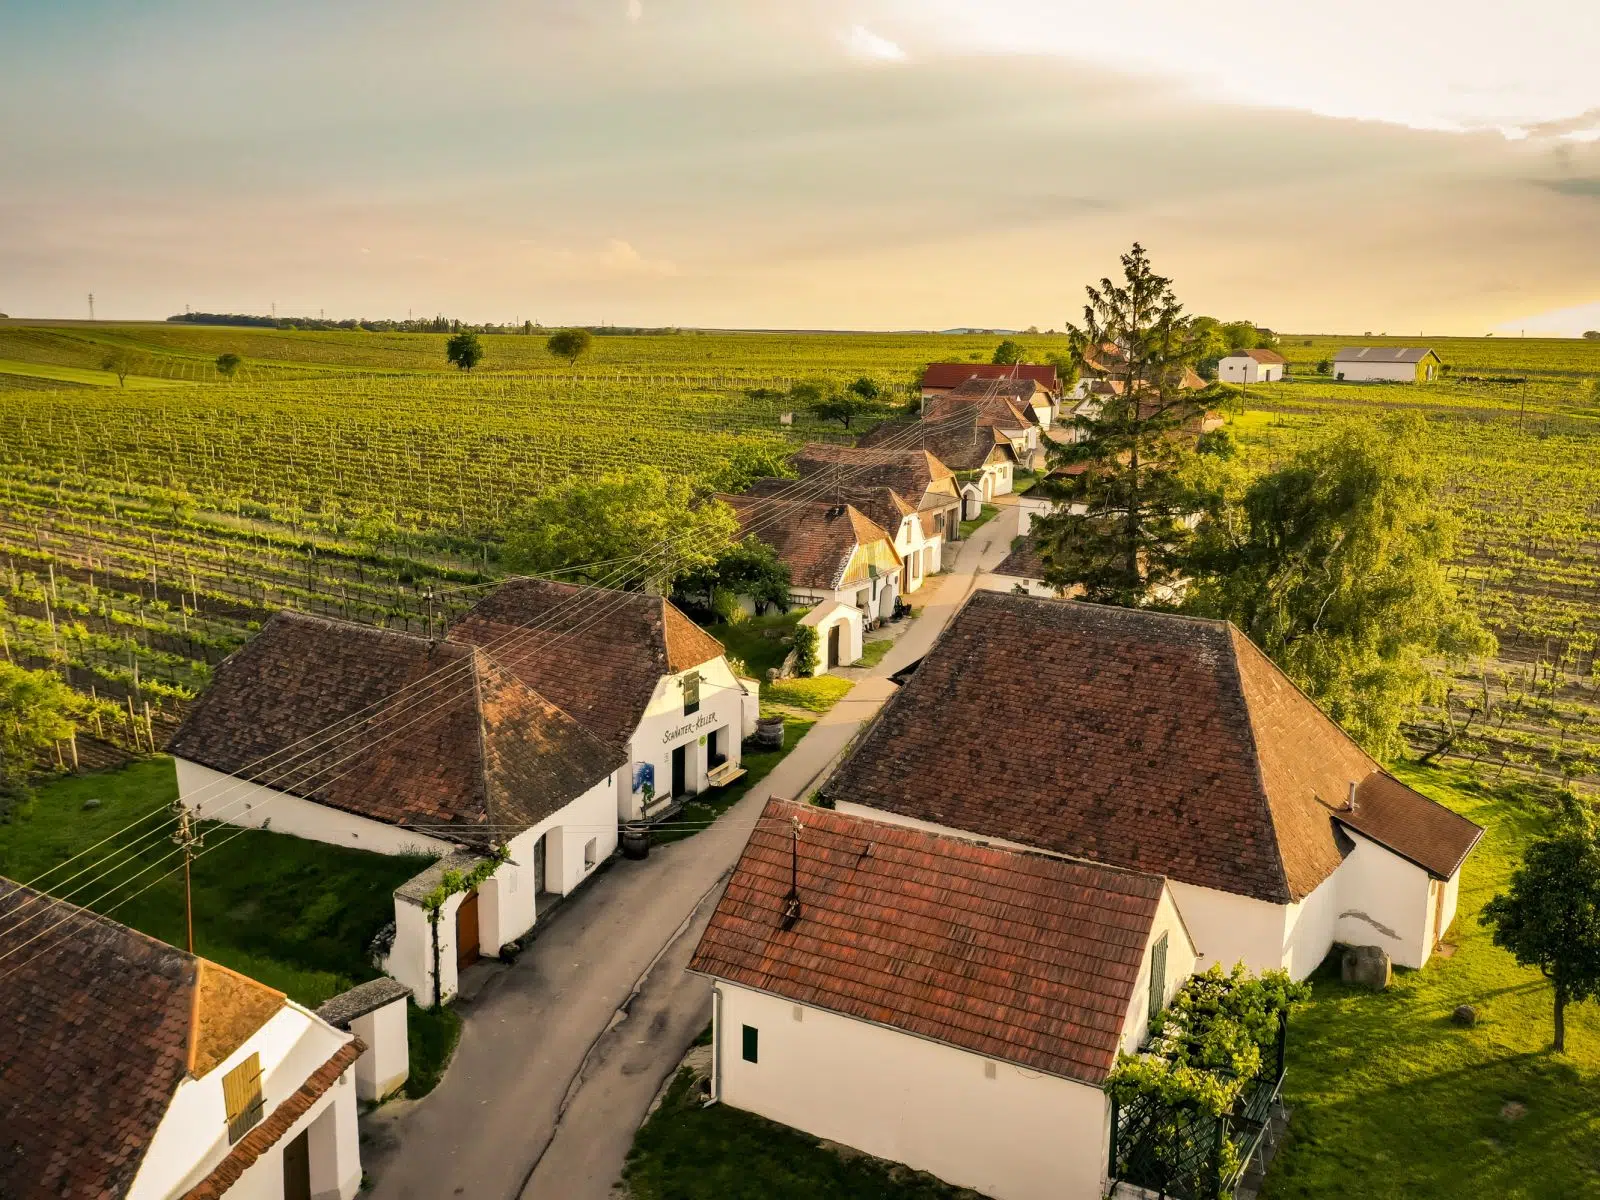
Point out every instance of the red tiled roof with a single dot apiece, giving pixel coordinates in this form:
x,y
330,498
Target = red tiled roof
x,y
961,446
272,1130
94,1040
475,749
995,411
1172,745
597,654
910,472
815,539
949,375
1015,956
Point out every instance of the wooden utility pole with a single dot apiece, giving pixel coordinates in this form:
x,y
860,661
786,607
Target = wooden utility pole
x,y
187,836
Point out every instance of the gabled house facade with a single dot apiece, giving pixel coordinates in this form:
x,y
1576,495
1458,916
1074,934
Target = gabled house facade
x,y
981,455
921,552
1251,366
1169,745
915,475
382,741
635,672
934,1001
130,1070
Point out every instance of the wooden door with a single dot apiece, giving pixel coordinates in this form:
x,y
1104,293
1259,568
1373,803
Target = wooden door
x,y
539,850
1438,913
467,931
297,1168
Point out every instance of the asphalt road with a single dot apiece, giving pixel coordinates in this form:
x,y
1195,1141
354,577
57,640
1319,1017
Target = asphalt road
x,y
562,1053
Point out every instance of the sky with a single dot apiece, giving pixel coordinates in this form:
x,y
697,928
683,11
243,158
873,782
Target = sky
x,y
1411,165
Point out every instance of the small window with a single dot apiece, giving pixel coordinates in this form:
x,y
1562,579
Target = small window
x,y
590,852
1158,976
241,1094
752,1043
691,693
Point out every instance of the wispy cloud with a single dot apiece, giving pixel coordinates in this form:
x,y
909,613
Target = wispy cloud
x,y
861,42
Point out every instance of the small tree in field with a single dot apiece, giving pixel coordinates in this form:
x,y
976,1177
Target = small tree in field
x,y
866,388
464,351
843,407
1550,917
120,364
36,711
228,365
570,344
1009,352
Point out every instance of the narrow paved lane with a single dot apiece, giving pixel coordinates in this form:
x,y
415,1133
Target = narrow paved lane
x,y
562,1053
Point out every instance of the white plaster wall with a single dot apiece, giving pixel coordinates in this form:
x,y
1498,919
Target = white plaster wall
x,y
1452,895
1021,1135
192,1137
1398,372
850,636
334,1152
1181,960
1309,927
664,727
385,1063
591,817
1008,583
1383,901
1229,928
218,797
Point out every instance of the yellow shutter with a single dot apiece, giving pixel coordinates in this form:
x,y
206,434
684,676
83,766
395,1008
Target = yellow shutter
x,y
241,1094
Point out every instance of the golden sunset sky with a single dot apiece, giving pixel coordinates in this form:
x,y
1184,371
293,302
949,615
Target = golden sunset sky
x,y
889,164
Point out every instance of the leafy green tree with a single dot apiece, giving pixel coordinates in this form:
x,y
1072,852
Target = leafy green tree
x,y
1334,564
1549,917
748,568
1129,545
464,350
1240,335
1009,352
120,363
843,407
808,392
865,388
1324,366
37,710
570,344
228,365
651,519
1592,335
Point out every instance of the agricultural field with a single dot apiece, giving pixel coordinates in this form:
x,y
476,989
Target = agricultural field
x,y
147,529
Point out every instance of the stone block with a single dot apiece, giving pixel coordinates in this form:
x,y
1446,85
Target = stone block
x,y
1366,966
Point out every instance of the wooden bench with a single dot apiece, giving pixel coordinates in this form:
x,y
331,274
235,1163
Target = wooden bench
x,y
724,775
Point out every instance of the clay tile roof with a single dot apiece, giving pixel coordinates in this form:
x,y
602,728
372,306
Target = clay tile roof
x,y
272,1130
884,506
94,1040
950,375
1173,746
961,445
595,653
228,1008
455,739
816,539
1023,562
997,411
915,475
1389,354
1411,825
1016,956
1261,356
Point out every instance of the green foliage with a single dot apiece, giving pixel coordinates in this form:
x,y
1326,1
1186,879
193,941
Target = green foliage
x,y
569,344
843,407
1009,352
464,351
454,883
805,645
1334,565
619,516
816,693
228,364
866,388
1130,542
747,463
1549,917
37,710
119,362
749,568
431,1038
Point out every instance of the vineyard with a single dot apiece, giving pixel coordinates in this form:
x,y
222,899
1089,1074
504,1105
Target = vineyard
x,y
146,529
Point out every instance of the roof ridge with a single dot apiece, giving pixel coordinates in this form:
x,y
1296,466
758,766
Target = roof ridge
x,y
515,680
1265,799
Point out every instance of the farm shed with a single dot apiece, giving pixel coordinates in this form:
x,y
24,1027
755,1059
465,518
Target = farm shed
x,y
1251,366
386,742
839,634
1171,745
135,1070
635,672
846,1002
1392,364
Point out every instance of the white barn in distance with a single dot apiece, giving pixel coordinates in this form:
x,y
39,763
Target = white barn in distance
x,y
1251,366
1387,364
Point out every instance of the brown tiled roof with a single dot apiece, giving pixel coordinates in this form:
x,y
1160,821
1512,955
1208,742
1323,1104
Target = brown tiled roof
x,y
949,375
960,446
595,653
995,411
474,749
1411,825
228,1008
94,1040
909,472
1015,956
272,1130
1172,746
883,506
1108,359
1261,356
1024,394
815,539
1023,562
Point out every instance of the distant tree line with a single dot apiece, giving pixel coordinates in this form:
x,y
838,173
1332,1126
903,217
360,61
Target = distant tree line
x,y
434,324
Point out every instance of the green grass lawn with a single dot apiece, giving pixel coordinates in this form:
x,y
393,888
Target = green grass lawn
x,y
431,1037
295,914
817,693
1390,1098
872,652
702,810
685,1152
985,515
761,643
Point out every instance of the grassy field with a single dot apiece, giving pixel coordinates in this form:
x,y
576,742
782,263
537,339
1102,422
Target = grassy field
x,y
1392,1099
295,914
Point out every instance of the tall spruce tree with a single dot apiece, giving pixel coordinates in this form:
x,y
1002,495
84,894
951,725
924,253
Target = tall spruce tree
x,y
1119,531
